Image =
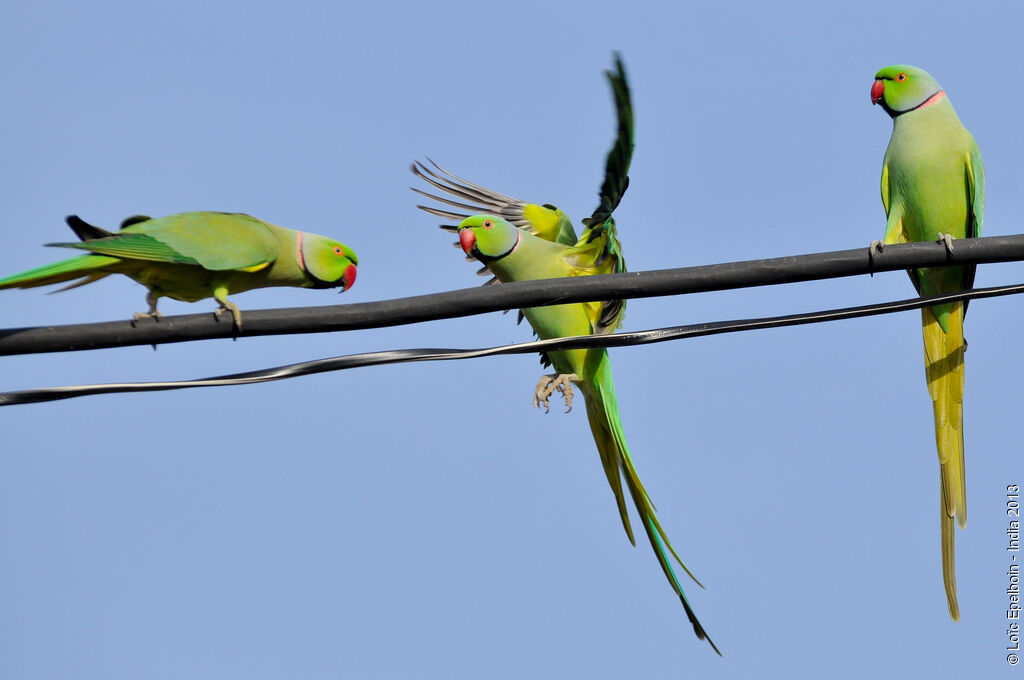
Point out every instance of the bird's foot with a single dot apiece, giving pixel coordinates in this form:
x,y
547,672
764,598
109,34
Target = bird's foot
x,y
236,314
547,386
151,299
946,240
872,247
152,314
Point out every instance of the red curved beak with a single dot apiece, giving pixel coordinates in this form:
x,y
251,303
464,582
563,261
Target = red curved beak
x,y
877,90
350,276
468,240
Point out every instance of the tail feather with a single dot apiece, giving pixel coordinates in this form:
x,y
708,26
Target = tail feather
x,y
948,559
610,461
645,506
666,566
944,368
606,427
89,267
85,280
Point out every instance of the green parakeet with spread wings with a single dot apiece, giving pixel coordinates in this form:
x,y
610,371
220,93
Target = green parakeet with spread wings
x,y
519,241
547,221
196,255
933,188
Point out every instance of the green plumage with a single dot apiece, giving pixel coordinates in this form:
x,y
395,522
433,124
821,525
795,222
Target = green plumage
x,y
599,249
933,188
513,255
518,241
192,256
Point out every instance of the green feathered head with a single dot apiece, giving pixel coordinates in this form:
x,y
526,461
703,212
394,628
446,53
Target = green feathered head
x,y
900,89
328,262
487,238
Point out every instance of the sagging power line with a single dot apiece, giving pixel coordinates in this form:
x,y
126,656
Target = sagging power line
x,y
408,355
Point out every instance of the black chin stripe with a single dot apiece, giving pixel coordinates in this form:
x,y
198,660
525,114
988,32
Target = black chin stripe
x,y
895,113
320,283
491,258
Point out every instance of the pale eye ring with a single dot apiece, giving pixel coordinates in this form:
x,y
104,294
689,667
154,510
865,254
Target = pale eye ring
x,y
901,77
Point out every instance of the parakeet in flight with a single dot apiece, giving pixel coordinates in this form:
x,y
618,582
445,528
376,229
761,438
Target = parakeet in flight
x,y
546,220
519,241
196,255
933,188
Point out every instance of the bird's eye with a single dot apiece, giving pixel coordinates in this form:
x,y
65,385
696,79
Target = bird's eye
x,y
488,224
338,250
901,77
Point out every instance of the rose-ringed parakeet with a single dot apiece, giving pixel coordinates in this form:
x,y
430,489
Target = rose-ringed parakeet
x,y
197,255
519,241
933,188
546,220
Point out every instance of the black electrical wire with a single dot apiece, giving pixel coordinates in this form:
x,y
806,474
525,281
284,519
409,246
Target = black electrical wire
x,y
407,355
470,301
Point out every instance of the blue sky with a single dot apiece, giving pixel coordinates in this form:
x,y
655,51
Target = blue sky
x,y
424,520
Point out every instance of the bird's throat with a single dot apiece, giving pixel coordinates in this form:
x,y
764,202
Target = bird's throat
x,y
935,98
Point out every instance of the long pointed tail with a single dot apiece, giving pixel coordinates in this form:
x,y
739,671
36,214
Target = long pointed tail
x,y
944,368
948,557
605,425
88,267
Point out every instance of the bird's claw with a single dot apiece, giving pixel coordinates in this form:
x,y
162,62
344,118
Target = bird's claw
x,y
947,240
139,316
547,385
872,247
151,299
236,315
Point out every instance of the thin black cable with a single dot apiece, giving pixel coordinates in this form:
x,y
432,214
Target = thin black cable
x,y
583,341
470,301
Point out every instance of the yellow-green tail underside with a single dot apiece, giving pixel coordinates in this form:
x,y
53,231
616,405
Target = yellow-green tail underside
x,y
944,368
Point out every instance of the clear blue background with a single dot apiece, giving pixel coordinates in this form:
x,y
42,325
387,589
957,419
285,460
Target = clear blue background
x,y
424,520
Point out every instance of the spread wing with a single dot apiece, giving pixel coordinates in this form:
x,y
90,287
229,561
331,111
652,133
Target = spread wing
x,y
598,251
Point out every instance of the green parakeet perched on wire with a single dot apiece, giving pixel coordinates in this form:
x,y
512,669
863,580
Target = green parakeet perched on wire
x,y
197,255
519,241
933,188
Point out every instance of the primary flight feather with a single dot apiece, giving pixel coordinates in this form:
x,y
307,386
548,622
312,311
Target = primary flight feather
x,y
196,255
933,188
